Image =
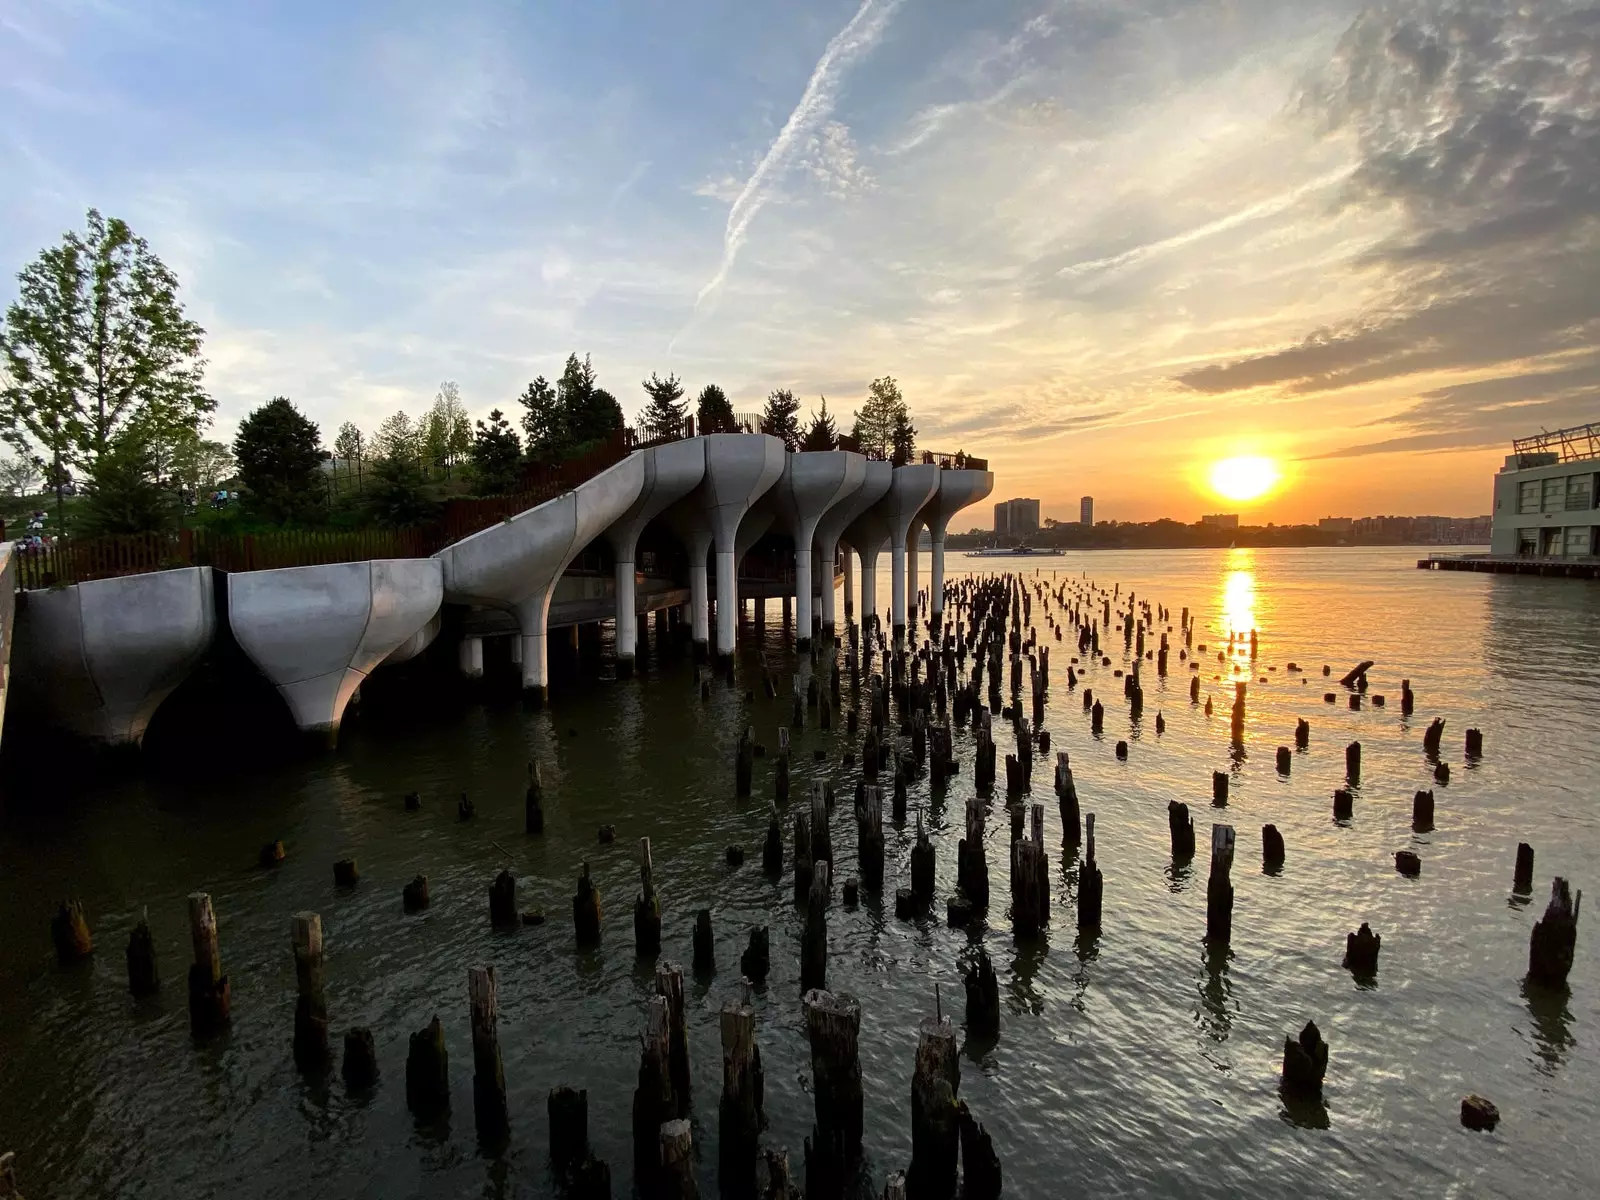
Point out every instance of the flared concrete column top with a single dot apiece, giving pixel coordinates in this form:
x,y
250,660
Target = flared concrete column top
x,y
957,490
518,560
740,469
671,472
814,483
910,489
857,520
318,632
98,658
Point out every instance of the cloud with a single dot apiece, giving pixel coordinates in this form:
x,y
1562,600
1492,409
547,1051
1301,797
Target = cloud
x,y
858,37
831,159
1477,122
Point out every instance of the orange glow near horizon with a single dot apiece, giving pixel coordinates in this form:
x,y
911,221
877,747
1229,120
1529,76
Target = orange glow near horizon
x,y
1247,477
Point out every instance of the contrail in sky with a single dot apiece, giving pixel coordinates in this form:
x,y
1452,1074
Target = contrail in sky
x,y
816,103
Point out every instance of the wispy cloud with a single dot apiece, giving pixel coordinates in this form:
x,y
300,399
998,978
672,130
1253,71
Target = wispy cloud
x,y
857,38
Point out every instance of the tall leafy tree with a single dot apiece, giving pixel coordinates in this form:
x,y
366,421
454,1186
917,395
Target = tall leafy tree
x,y
496,455
445,433
822,433
714,412
543,429
201,465
876,419
20,476
95,339
351,446
663,415
780,419
280,456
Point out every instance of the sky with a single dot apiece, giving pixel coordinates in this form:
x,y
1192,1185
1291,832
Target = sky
x,y
1102,243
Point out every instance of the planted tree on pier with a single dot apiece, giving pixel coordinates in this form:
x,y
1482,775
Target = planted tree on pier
x,y
663,414
714,412
779,418
496,455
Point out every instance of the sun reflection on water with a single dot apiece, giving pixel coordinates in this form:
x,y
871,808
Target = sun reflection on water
x,y
1239,595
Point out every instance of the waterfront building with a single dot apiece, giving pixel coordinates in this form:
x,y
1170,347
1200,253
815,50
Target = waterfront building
x,y
1544,496
1086,511
1220,520
1016,518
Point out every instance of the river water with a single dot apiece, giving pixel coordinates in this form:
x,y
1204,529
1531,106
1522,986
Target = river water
x,y
1131,1064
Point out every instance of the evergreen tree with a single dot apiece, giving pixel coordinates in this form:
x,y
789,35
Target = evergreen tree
x,y
95,340
127,496
822,433
779,418
542,426
663,415
588,413
713,412
902,437
496,455
396,495
397,437
280,454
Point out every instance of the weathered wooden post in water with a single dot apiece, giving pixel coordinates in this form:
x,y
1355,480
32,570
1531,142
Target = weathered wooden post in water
x,y
428,1073
744,762
533,802
1180,825
488,1073
1352,764
1555,937
586,911
935,1132
1272,854
676,1181
70,932
1522,876
1219,789
208,986
814,938
1305,1062
143,978
833,1023
705,946
1090,882
311,1052
646,908
741,1108
503,901
981,1179
869,838
1067,797
983,997
653,1103
1219,889
1030,880
669,986
360,1067
1361,950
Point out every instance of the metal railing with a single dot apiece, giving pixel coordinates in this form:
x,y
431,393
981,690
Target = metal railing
x,y
1569,445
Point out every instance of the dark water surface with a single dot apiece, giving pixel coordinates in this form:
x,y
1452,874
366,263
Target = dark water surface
x,y
1133,1064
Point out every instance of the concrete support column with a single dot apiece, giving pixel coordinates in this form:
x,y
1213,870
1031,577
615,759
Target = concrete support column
x,y
470,656
516,651
532,615
627,619
936,588
727,602
869,588
699,615
849,584
830,602
802,597
912,539
897,593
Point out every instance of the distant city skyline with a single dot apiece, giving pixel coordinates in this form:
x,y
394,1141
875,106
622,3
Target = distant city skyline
x,y
1105,247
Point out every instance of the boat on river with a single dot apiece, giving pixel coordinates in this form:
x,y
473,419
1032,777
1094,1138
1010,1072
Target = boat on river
x,y
1014,552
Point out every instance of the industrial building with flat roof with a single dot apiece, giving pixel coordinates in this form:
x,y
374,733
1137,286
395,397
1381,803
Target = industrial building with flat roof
x,y
1544,496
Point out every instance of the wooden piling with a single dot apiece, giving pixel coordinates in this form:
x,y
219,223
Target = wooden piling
x,y
503,901
1408,863
869,839
741,1109
757,957
744,763
1433,736
1422,811
143,978
209,1000
780,770
1180,826
821,839
1344,804
533,802
983,997
1219,789
311,1051
568,1112
646,908
981,1176
1474,743
360,1064
1555,937
428,1072
1030,883
586,911
70,932
1305,1062
772,1176
922,868
1272,854
1522,876
1091,884
814,938
1302,733
653,1103
833,1025
1067,799
676,1179
1219,888
1361,950
705,953
488,1072
1352,764
1285,760
669,986
935,1132
414,896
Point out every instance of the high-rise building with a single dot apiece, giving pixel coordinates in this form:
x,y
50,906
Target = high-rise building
x,y
1016,517
1086,511
1221,520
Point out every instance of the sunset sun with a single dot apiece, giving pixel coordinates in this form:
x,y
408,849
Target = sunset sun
x,y
1245,478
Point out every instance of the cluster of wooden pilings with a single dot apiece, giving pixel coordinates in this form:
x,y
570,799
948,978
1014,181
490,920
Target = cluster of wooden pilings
x,y
905,715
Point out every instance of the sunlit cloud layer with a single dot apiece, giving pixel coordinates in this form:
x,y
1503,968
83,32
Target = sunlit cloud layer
x,y
1104,243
